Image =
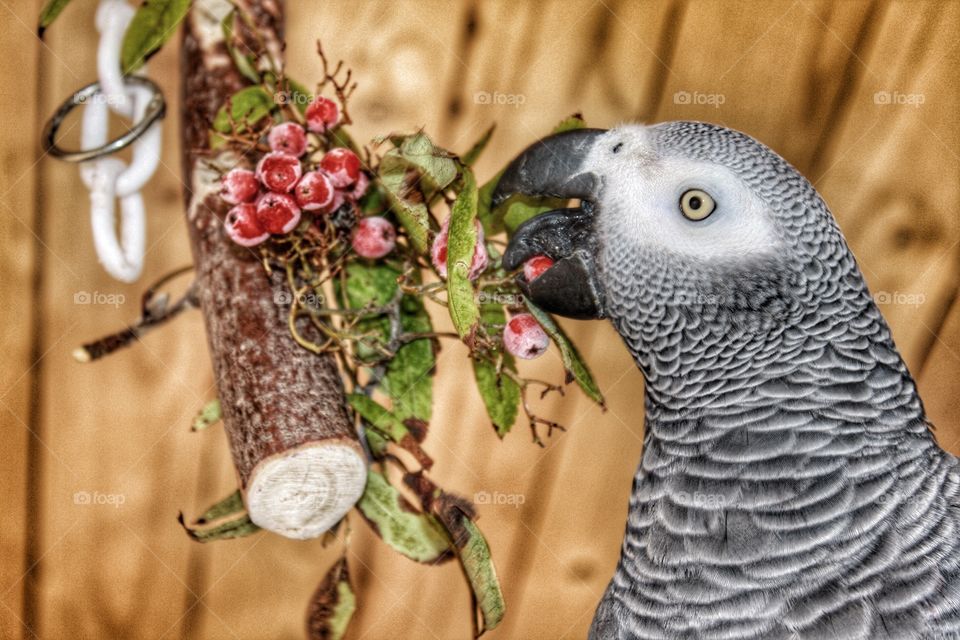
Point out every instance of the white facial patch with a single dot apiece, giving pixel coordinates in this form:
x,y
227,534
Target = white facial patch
x,y
642,193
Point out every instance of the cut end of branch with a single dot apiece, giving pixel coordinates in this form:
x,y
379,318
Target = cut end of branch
x,y
80,354
305,491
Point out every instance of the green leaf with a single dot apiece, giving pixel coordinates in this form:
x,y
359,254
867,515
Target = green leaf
x,y
299,94
388,424
572,362
461,245
374,202
152,25
210,414
378,416
519,209
406,199
437,166
243,62
409,377
247,107
477,561
500,393
522,208
575,121
456,514
226,519
332,605
411,174
471,156
491,220
370,284
409,531
49,13
232,504
377,443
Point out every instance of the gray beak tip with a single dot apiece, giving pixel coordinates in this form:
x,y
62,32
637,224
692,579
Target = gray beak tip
x,y
552,167
571,286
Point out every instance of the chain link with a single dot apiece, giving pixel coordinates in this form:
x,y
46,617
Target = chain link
x,y
107,178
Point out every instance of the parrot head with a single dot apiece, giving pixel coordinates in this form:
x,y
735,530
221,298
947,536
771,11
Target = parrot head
x,y
679,223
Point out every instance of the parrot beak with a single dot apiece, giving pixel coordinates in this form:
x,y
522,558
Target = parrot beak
x,y
552,167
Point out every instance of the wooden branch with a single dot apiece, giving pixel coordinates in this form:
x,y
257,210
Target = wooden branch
x,y
297,454
155,310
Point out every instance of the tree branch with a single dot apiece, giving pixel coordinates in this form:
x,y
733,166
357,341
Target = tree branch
x,y
299,461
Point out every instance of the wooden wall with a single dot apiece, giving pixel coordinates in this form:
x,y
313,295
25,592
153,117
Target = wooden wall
x,y
807,77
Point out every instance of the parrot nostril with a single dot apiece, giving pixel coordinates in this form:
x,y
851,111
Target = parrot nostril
x,y
617,147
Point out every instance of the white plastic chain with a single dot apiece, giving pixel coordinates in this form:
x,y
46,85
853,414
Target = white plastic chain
x,y
109,179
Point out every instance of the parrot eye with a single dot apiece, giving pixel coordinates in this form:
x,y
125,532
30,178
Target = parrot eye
x,y
696,204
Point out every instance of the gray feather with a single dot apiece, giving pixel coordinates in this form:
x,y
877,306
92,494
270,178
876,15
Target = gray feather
x,y
790,486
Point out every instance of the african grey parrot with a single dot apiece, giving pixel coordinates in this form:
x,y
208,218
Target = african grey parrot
x,y
790,485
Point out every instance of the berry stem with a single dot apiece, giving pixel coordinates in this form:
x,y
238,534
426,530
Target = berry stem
x,y
533,418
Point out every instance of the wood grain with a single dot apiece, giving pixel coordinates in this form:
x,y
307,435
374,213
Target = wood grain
x,y
19,339
801,76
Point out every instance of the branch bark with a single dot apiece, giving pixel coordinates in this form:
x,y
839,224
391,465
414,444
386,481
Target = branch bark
x,y
300,464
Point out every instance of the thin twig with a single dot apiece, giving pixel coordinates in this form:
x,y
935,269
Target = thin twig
x,y
154,312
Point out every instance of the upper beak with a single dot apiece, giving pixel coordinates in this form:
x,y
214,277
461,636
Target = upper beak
x,y
553,167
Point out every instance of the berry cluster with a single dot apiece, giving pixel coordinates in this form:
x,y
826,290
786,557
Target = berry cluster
x,y
288,181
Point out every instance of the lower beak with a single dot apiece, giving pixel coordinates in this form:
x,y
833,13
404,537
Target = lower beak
x,y
553,167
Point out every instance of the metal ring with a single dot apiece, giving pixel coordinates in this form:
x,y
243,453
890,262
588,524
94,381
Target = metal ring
x,y
155,110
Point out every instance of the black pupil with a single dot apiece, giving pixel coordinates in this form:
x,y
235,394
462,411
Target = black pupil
x,y
694,202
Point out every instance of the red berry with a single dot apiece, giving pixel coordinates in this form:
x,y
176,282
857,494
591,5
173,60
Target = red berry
x,y
288,137
358,190
239,185
279,171
336,203
438,252
314,191
524,337
374,237
277,212
535,266
243,227
342,165
322,114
